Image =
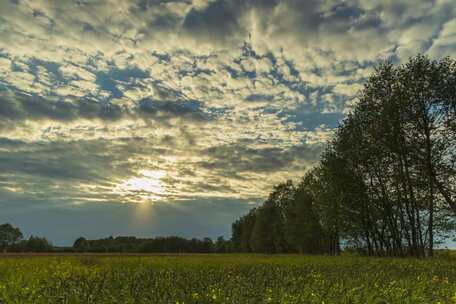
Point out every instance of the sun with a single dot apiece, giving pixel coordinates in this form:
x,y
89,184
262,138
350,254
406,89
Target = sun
x,y
146,186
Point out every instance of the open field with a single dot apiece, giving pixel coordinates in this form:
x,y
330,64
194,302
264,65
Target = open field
x,y
226,279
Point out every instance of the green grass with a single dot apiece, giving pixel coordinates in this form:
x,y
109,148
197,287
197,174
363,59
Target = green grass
x,y
227,279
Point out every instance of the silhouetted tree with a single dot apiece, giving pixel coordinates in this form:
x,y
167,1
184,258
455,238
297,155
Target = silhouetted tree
x,y
9,235
242,232
37,244
171,244
81,245
302,225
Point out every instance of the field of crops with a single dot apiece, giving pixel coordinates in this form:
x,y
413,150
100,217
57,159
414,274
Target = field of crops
x,y
226,279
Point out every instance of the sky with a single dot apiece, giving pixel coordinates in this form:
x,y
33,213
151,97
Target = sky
x,y
175,117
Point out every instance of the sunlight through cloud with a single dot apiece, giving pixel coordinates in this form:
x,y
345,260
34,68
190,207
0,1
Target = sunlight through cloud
x,y
147,187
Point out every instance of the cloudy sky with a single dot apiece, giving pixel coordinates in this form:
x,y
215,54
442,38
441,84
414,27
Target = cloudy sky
x,y
174,117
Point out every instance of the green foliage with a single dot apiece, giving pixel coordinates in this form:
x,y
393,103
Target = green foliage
x,y
303,229
33,244
227,279
9,235
289,221
171,244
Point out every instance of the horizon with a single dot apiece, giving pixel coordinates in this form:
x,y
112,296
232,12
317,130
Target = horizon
x,y
175,117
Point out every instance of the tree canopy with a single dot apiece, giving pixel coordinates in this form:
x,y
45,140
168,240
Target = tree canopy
x,y
9,235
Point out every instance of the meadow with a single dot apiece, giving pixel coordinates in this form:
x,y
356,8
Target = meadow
x,y
226,279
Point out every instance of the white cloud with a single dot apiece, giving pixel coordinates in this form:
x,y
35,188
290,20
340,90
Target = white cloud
x,y
267,84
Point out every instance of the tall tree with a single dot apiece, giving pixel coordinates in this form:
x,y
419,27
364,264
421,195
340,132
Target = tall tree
x,y
302,223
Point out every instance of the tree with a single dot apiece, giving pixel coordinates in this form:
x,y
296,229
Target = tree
x,y
268,232
397,147
38,244
9,235
303,230
242,232
262,239
81,244
222,245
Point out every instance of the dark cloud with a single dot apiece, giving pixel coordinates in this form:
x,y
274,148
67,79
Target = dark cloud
x,y
218,21
305,15
369,21
165,22
47,161
163,58
147,4
87,27
172,108
20,106
259,97
344,12
9,109
238,158
312,20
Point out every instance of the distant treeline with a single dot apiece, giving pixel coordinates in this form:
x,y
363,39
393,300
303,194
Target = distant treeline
x,y
172,244
11,240
386,183
32,244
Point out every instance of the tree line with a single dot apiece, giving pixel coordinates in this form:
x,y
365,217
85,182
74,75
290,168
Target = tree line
x,y
385,184
12,240
170,244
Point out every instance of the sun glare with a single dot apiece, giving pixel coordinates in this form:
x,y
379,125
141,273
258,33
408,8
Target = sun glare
x,y
147,186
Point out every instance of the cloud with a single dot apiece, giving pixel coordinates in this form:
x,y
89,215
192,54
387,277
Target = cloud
x,y
445,42
20,106
220,19
188,108
240,158
223,98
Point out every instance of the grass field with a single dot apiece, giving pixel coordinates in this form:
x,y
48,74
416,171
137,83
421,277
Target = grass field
x,y
226,279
